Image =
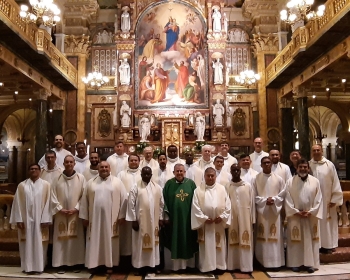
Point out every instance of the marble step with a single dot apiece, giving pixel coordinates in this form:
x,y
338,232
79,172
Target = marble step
x,y
9,258
344,240
341,254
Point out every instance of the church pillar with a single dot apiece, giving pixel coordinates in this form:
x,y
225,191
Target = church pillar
x,y
210,23
41,123
57,118
21,164
303,122
12,164
287,129
60,42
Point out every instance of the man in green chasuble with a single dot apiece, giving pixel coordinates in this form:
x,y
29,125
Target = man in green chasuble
x,y
178,236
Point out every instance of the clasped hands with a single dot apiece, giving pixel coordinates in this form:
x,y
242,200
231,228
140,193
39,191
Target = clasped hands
x,y
217,220
135,225
303,214
69,212
270,201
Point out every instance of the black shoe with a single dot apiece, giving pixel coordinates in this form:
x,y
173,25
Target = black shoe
x,y
310,270
273,269
295,269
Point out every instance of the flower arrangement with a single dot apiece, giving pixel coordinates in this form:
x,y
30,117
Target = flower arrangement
x,y
198,146
157,151
140,146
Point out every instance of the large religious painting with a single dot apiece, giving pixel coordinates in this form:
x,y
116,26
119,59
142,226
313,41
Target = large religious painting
x,y
170,65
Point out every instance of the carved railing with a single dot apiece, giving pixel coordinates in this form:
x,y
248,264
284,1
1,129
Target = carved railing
x,y
305,36
38,39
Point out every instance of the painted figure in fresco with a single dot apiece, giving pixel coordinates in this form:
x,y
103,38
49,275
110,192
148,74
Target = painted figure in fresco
x,y
151,47
172,30
146,89
182,78
218,76
125,112
125,21
225,19
161,81
141,43
144,127
218,112
200,127
201,69
144,67
216,20
192,88
124,72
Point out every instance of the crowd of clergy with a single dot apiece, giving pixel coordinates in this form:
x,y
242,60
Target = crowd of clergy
x,y
214,214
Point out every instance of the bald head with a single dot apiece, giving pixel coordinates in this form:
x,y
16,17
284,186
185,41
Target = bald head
x,y
258,143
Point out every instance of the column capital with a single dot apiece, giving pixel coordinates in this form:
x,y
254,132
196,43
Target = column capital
x,y
265,43
300,92
42,94
285,103
77,44
58,105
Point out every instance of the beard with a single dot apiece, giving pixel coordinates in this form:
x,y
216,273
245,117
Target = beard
x,y
303,175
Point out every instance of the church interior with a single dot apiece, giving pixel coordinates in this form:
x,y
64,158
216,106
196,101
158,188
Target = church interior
x,y
173,72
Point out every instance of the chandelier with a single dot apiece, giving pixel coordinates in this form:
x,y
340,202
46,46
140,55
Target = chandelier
x,y
247,78
95,80
42,12
299,10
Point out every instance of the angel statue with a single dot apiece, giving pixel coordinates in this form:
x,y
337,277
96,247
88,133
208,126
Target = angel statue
x,y
199,127
144,127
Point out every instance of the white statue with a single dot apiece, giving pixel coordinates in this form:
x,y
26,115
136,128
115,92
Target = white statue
x,y
225,22
98,38
238,35
144,127
115,114
216,20
124,72
125,112
105,37
125,22
231,36
115,23
200,127
110,37
218,76
218,112
243,37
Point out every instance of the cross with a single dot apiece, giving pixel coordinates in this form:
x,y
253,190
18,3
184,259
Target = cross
x,y
182,195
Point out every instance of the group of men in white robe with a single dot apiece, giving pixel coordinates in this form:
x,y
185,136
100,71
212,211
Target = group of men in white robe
x,y
228,196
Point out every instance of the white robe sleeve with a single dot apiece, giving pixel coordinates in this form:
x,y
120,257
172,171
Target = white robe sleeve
x,y
46,216
289,203
197,216
131,205
317,206
161,204
259,200
337,193
42,162
16,210
278,199
226,215
55,204
123,201
83,181
84,203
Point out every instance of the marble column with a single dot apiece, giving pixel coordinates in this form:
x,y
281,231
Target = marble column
x,y
287,134
57,117
60,41
303,126
41,123
21,164
12,164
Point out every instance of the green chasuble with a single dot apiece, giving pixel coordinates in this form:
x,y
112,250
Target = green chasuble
x,y
179,238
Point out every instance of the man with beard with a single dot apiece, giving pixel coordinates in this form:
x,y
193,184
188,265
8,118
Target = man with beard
x,y
143,67
182,78
68,235
192,88
146,91
303,205
61,153
210,215
180,240
92,171
82,158
51,170
240,233
119,160
162,173
269,195
161,81
173,157
193,172
324,170
278,167
103,209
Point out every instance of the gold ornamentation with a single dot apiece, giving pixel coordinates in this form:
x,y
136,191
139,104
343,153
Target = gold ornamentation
x,y
245,236
273,230
104,123
72,227
234,236
125,47
239,122
182,195
261,232
315,232
200,235
217,239
146,240
61,227
295,232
